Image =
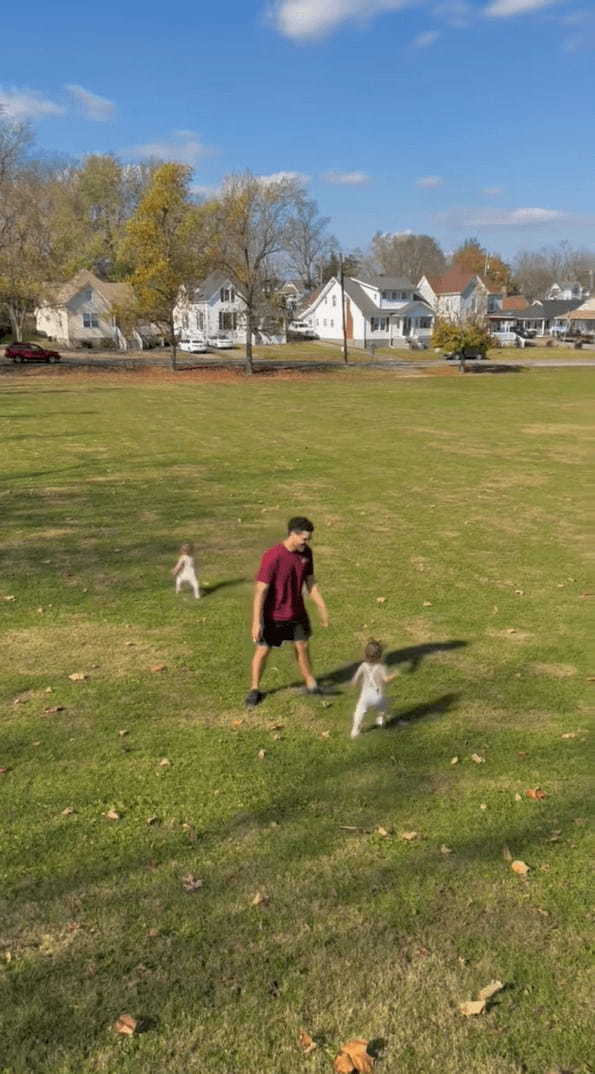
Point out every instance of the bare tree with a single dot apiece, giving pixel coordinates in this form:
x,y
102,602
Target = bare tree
x,y
252,221
307,242
536,270
412,256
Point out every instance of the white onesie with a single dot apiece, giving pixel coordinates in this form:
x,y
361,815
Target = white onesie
x,y
372,694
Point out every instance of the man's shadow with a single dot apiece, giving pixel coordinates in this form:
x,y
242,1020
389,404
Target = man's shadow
x,y
413,655
208,590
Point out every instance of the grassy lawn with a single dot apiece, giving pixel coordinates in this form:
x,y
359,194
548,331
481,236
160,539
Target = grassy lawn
x,y
465,502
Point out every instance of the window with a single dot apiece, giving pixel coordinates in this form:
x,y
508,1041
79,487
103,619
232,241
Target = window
x,y
425,322
324,323
332,324
334,300
200,321
87,295
228,322
379,324
227,294
90,320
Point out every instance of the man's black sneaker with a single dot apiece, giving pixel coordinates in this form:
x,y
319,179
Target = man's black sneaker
x,y
253,699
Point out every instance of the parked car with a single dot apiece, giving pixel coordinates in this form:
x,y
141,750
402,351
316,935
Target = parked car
x,y
301,329
194,346
30,352
466,354
220,343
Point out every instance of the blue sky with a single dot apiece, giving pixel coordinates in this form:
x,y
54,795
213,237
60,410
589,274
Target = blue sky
x,y
452,117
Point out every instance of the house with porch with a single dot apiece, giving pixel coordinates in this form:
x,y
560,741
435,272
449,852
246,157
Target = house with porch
x,y
84,313
459,295
581,319
540,317
213,308
568,291
384,310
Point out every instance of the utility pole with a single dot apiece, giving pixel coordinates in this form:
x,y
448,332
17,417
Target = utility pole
x,y
344,331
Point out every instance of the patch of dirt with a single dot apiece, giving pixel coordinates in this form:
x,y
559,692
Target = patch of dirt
x,y
419,629
558,671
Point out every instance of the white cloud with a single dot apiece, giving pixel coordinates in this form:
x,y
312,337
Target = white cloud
x,y
304,20
184,146
203,191
429,182
492,191
429,37
506,218
346,178
505,8
457,13
279,177
23,104
92,105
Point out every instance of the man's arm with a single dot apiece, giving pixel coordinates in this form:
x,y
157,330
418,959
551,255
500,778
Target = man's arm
x,y
317,597
260,592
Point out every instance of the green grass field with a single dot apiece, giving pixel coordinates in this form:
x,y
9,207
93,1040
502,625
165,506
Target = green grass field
x,y
452,522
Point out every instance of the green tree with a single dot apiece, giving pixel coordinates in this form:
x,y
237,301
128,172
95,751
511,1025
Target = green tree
x,y
25,258
165,244
468,334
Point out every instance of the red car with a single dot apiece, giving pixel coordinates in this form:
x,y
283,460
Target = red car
x,y
30,352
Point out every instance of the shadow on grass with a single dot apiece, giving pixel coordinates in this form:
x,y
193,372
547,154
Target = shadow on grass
x,y
208,590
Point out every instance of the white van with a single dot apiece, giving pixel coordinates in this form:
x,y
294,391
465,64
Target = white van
x,y
194,346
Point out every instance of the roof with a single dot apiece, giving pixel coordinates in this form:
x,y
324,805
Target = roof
x,y
361,298
587,307
545,310
514,302
310,299
214,282
388,283
113,293
586,312
453,281
418,306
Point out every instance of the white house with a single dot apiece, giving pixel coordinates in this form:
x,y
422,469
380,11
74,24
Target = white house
x,y
458,294
380,309
581,319
83,312
567,291
213,308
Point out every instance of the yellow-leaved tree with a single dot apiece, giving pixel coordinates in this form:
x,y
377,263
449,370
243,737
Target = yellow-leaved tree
x,y
166,245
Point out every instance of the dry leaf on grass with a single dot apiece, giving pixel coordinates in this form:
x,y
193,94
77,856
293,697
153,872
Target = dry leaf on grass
x,y
490,990
158,667
569,734
518,797
519,867
506,854
126,1025
152,820
306,1043
261,755
483,806
260,899
191,883
68,811
535,793
165,762
408,836
354,1058
112,814
477,758
123,732
472,1006
3,771
454,760
427,603
445,850
380,600
236,723
9,598
381,831
325,734
53,709
78,676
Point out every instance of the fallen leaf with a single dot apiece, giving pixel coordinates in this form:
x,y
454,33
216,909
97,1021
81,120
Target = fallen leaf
x,y
277,737
158,667
326,704
127,1025
454,760
152,820
520,592
68,811
53,709
535,793
382,831
261,755
380,600
78,676
260,899
165,762
153,933
518,797
427,603
483,806
306,1043
408,836
445,850
236,723
191,883
112,814
490,990
9,598
354,1058
472,1006
477,758
49,690
123,732
3,771
506,854
569,734
325,734
519,867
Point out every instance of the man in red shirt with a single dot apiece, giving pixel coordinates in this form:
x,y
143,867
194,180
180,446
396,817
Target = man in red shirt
x,y
278,611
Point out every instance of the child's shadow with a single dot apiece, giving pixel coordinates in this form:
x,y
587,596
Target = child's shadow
x,y
412,655
436,707
208,590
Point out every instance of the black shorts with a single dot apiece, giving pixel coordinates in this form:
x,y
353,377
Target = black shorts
x,y
275,632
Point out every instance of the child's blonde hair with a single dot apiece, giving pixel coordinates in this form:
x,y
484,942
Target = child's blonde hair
x,y
187,549
373,651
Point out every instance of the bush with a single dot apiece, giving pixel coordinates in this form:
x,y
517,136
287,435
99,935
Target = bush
x,y
462,335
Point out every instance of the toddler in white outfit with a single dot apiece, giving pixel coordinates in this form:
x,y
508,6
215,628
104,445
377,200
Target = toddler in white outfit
x,y
184,570
373,676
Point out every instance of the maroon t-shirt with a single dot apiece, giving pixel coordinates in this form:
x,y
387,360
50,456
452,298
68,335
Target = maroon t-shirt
x,y
285,573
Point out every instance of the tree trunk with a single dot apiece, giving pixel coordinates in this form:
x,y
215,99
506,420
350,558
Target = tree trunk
x,y
17,319
249,367
174,346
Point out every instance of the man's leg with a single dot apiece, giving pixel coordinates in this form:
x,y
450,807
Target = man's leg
x,y
302,654
259,660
